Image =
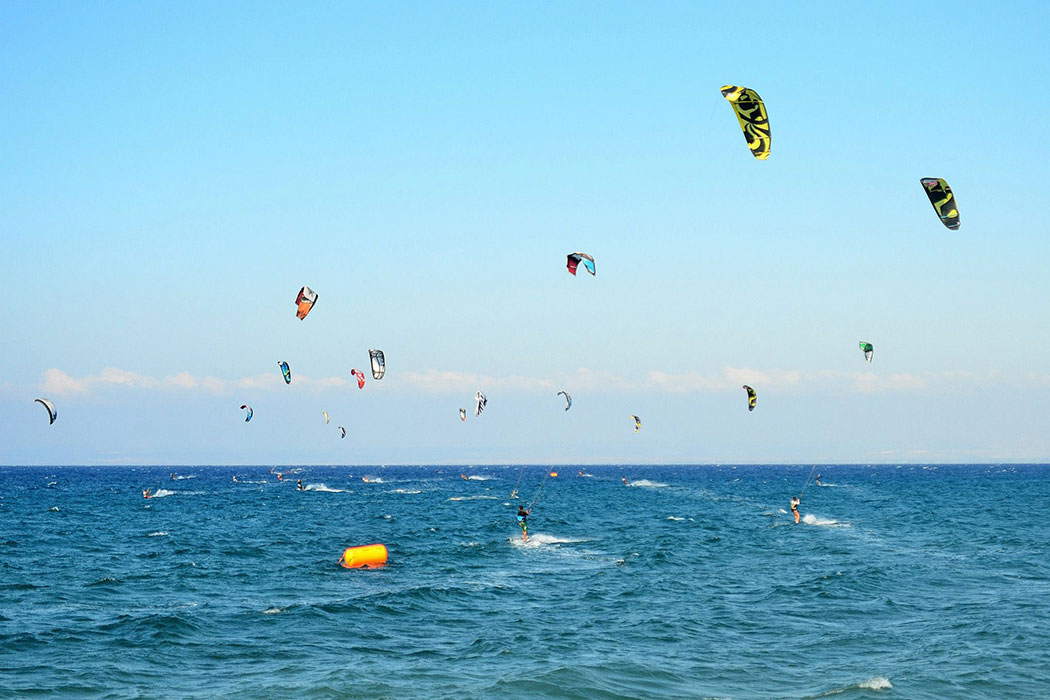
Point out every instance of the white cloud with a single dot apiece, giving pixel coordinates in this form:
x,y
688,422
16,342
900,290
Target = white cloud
x,y
58,382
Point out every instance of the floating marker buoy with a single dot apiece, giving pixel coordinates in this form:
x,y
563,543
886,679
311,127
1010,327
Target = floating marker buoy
x,y
369,555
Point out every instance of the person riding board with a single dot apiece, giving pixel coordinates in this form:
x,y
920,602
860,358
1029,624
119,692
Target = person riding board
x,y
818,480
299,484
523,522
146,493
794,507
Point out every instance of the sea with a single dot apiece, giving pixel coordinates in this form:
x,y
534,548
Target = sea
x,y
900,581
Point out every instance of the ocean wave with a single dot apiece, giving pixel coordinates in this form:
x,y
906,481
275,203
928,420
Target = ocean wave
x,y
873,683
322,488
273,611
159,533
180,477
53,509
675,518
540,539
405,491
810,519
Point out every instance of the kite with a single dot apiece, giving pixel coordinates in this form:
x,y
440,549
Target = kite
x,y
573,260
360,378
754,122
480,400
342,432
868,349
306,300
378,363
325,413
637,423
943,201
752,398
463,414
248,417
286,371
51,412
568,399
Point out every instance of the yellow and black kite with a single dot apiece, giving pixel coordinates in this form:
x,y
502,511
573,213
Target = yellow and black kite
x,y
751,112
943,201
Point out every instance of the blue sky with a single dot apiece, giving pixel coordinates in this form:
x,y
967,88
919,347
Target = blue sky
x,y
172,174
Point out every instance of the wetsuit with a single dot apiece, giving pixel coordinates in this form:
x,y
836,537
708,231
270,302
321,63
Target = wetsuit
x,y
523,523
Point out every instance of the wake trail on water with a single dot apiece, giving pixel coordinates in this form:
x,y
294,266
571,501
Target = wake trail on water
x,y
810,519
161,493
646,484
474,498
324,488
540,539
475,477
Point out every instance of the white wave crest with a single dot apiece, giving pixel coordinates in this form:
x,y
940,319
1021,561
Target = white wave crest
x,y
323,488
53,509
406,491
272,611
474,498
160,533
876,683
646,484
674,517
810,519
540,539
478,477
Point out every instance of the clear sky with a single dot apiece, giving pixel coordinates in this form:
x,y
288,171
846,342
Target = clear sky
x,y
172,173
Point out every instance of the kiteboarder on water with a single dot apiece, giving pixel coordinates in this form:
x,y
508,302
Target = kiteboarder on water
x,y
523,522
794,508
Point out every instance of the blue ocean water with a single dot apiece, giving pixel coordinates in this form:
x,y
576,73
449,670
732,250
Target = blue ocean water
x,y
901,582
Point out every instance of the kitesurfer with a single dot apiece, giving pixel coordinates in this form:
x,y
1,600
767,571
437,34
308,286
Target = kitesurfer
x,y
280,477
794,508
172,475
523,522
817,481
625,481
146,493
235,478
299,484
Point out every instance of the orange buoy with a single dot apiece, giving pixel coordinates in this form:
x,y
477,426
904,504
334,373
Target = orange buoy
x,y
554,474
369,555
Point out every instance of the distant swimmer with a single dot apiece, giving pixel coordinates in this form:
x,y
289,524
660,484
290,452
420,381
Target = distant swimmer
x,y
625,481
146,493
299,484
523,522
794,508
